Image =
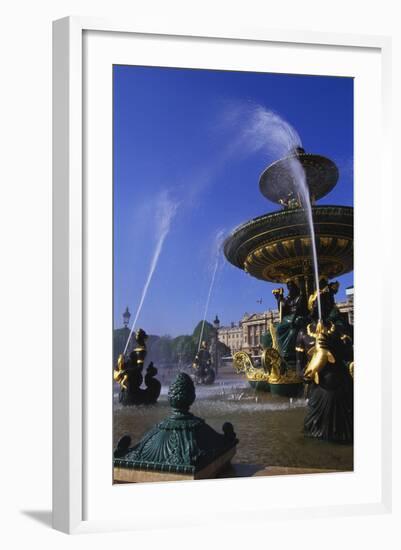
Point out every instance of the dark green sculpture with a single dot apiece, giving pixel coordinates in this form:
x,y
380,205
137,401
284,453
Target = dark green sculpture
x,y
292,313
204,372
182,443
325,360
128,373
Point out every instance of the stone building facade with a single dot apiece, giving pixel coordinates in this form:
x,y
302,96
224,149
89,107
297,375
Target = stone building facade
x,y
246,334
347,307
253,327
231,336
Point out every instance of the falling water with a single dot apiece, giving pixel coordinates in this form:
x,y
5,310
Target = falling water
x,y
207,302
153,265
218,241
165,212
266,131
299,180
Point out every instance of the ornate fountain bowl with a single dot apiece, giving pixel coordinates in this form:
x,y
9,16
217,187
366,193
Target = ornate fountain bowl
x,y
277,181
276,247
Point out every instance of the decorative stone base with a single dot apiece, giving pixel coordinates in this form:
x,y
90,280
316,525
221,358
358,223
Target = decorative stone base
x,y
131,475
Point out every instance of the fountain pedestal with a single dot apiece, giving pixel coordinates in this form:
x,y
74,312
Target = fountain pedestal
x,y
181,447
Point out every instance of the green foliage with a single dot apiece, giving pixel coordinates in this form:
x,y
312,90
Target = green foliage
x,y
184,349
160,351
208,332
164,350
223,349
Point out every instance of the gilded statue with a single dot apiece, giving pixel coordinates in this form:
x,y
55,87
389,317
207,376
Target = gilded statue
x,y
324,354
128,374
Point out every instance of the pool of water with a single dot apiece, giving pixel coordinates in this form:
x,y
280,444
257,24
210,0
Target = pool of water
x,y
269,428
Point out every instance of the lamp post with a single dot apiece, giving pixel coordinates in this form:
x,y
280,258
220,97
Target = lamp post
x,y
216,324
126,330
126,317
120,336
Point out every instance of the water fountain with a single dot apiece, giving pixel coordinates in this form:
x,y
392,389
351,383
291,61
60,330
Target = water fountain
x,y
128,374
279,247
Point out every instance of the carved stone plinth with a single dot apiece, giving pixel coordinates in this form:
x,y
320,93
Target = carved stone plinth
x,y
134,475
180,447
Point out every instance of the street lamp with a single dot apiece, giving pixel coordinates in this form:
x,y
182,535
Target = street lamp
x,y
126,317
216,324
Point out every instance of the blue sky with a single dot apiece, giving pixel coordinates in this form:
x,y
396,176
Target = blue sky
x,y
189,147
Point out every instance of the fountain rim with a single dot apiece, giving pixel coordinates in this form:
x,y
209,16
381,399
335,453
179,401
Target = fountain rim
x,y
325,187
247,228
287,212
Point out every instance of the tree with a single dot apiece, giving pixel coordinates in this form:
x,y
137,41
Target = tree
x,y
162,350
208,333
186,349
223,349
183,349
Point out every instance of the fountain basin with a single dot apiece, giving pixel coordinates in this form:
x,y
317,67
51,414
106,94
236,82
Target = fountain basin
x,y
259,385
283,390
260,379
270,429
276,247
277,181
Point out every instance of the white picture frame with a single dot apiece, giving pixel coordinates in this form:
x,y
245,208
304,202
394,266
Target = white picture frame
x,y
73,435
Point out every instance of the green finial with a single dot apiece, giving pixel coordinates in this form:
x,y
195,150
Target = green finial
x,y
181,443
181,393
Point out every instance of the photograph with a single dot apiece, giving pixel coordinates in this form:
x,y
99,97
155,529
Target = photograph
x,y
233,289
204,197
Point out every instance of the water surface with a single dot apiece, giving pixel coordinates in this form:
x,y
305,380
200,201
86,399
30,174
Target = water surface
x,y
269,428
